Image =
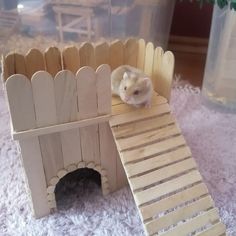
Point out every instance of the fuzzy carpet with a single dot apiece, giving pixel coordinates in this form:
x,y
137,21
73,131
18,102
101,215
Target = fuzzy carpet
x,y
82,209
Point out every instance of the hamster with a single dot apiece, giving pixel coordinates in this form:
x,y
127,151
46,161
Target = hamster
x,y
132,85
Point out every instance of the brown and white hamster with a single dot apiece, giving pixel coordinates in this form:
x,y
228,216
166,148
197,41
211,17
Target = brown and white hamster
x,y
132,85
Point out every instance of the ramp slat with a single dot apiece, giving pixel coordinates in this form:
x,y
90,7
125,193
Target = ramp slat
x,y
165,204
195,223
148,137
151,149
157,161
179,215
161,174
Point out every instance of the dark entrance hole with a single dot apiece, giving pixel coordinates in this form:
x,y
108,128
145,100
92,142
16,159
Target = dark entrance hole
x,y
77,186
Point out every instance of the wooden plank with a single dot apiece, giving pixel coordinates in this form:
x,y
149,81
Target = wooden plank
x,y
141,54
148,137
215,230
66,108
45,110
162,174
52,58
120,173
87,104
160,190
34,62
148,64
9,68
163,70
131,52
157,161
86,89
103,89
19,94
101,54
135,128
108,152
87,57
125,108
44,100
71,59
20,67
139,114
172,201
60,127
152,149
194,224
90,144
35,175
139,127
21,107
116,54
179,214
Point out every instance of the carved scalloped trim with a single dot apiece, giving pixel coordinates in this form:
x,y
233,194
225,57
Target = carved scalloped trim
x,y
61,173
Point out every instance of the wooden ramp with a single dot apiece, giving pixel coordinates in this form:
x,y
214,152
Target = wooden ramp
x,y
167,187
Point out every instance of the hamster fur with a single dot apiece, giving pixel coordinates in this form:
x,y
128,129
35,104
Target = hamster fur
x,y
132,85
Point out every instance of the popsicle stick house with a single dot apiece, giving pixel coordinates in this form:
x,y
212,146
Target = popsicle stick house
x,y
64,118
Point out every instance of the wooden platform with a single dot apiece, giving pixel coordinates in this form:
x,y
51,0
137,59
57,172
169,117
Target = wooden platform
x,y
167,187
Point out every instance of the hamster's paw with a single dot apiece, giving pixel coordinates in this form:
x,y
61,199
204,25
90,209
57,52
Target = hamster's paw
x,y
148,104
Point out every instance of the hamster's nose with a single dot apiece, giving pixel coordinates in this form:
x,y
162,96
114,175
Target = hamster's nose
x,y
126,99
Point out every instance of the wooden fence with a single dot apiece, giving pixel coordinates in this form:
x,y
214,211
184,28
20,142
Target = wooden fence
x,y
157,64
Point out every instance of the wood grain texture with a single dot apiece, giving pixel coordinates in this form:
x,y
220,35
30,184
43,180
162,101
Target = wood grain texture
x,y
157,161
125,108
163,69
120,173
141,54
116,54
101,54
155,208
162,174
103,73
45,110
180,214
139,114
87,104
34,62
59,128
35,175
160,190
87,57
217,229
66,109
148,137
108,154
52,58
20,99
148,63
87,92
131,52
195,223
9,68
152,149
71,59
20,67
135,128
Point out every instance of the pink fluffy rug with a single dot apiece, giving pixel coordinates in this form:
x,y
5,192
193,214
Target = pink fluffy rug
x,y
82,209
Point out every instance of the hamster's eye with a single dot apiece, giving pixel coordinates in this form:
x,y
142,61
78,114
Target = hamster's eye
x,y
136,92
125,88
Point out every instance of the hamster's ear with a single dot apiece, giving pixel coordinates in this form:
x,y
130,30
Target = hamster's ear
x,y
125,75
147,81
